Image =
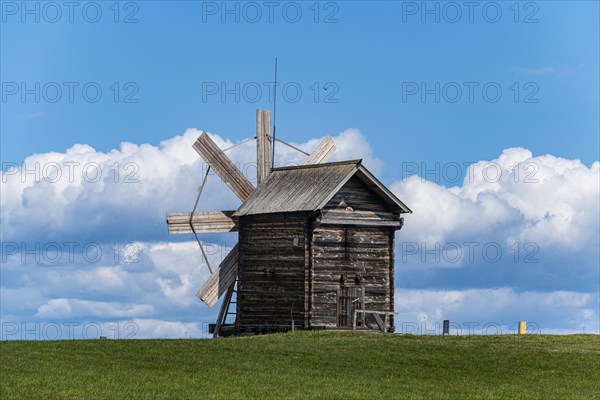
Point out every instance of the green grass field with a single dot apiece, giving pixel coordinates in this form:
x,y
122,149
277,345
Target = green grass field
x,y
306,365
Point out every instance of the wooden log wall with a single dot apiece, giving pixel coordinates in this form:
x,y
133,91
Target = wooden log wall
x,y
347,254
271,271
351,257
365,203
294,265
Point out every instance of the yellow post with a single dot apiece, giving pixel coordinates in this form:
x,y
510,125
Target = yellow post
x,y
522,327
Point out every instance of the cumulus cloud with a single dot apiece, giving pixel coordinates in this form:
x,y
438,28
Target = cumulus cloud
x,y
181,270
522,221
159,277
117,201
516,197
126,192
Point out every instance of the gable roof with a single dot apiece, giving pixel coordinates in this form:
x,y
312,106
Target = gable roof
x,y
310,187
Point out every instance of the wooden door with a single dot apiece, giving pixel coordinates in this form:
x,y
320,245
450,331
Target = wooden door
x,y
350,298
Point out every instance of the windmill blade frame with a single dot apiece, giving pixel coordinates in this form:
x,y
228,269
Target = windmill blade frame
x,y
216,284
223,279
220,280
223,166
322,153
201,221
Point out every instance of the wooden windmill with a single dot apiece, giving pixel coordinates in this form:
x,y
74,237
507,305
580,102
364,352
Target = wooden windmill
x,y
222,280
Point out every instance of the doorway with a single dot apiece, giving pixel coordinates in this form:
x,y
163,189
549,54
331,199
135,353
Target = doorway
x,y
350,298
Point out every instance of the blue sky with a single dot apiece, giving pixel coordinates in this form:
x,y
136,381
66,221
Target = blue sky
x,y
169,63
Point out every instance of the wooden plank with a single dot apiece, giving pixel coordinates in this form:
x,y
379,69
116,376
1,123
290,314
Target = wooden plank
x,y
203,221
264,149
379,322
223,166
355,193
323,151
358,214
295,189
358,222
307,274
221,279
392,247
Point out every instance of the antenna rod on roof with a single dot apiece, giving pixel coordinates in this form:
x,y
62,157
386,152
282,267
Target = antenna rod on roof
x,y
274,114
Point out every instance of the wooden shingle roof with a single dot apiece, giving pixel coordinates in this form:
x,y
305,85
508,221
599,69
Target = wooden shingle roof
x,y
310,187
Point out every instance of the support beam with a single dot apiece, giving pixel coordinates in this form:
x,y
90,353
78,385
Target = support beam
x,y
223,166
323,151
221,279
203,221
264,147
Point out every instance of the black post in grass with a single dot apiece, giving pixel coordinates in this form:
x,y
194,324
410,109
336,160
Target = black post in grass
x,y
446,327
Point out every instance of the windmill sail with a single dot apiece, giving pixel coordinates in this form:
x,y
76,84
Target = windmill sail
x,y
223,166
224,277
221,279
323,151
202,221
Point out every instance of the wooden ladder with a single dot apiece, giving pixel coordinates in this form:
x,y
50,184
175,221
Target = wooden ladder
x,y
225,306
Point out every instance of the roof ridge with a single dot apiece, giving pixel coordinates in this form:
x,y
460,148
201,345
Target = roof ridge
x,y
286,168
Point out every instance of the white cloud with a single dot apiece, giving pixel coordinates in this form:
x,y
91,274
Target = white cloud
x,y
351,144
83,328
543,199
166,275
515,198
152,328
181,270
127,191
69,308
572,311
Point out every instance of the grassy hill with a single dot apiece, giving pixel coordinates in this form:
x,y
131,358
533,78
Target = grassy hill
x,y
306,365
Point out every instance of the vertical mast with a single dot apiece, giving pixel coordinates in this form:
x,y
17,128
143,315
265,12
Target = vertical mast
x,y
263,145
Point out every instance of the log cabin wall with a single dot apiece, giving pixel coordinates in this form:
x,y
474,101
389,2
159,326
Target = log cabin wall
x,y
347,257
352,258
357,195
271,278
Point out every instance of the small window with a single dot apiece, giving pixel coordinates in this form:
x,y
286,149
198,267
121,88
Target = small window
x,y
298,241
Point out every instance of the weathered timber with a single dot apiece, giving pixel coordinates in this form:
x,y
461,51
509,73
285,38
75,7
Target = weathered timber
x,y
223,166
221,318
391,327
263,145
316,267
316,243
356,221
312,187
203,222
296,189
344,269
271,270
323,151
221,279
